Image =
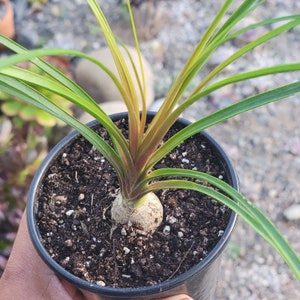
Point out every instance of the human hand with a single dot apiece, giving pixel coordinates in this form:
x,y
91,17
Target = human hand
x,y
178,297
26,276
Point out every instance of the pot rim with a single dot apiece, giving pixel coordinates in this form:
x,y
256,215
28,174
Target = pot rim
x,y
140,291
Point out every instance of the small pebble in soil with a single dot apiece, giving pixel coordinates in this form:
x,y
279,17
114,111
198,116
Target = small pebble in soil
x,y
68,243
171,219
100,283
167,229
81,197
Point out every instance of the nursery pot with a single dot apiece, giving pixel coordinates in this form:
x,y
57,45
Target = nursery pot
x,y
7,26
199,281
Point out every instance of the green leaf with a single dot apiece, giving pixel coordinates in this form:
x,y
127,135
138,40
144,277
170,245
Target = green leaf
x,y
244,50
222,115
28,94
234,79
130,96
164,119
86,103
232,199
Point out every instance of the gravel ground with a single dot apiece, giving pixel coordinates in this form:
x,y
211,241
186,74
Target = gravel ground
x,y
264,144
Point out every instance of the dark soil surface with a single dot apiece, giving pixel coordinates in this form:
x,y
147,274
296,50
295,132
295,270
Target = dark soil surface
x,y
75,223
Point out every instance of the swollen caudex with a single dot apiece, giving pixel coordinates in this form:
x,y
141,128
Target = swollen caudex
x,y
149,215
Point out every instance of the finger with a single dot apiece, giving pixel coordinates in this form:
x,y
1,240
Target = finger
x,y
25,265
178,297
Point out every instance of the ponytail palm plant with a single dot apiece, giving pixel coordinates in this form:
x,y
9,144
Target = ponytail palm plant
x,y
133,157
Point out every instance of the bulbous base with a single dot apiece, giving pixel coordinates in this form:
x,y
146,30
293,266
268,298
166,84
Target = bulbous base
x,y
149,215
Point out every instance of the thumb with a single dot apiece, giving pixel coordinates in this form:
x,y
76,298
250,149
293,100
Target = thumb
x,y
178,297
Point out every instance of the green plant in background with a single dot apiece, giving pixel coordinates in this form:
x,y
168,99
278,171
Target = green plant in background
x,y
37,3
23,146
133,158
13,106
25,132
25,129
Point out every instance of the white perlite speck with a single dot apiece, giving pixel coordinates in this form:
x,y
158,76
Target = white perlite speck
x,y
126,250
220,233
167,229
69,212
185,161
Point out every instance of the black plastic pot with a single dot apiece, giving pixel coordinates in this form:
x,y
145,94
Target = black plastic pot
x,y
199,282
